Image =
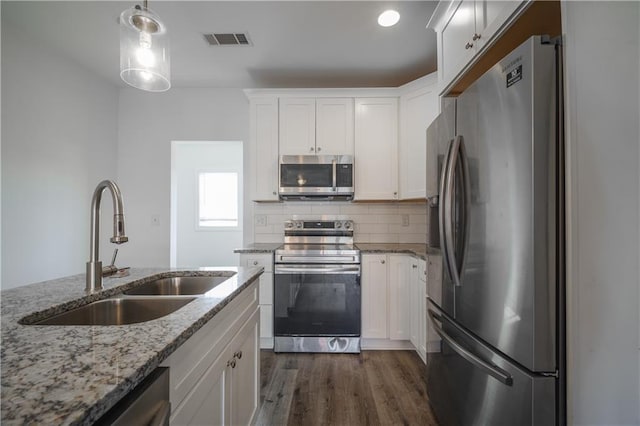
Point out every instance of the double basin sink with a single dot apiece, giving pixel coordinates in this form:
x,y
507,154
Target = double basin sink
x,y
146,302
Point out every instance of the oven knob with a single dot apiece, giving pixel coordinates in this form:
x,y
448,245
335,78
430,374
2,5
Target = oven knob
x,y
288,225
299,225
338,225
347,225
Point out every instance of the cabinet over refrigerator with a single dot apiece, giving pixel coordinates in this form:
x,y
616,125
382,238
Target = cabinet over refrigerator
x,y
495,171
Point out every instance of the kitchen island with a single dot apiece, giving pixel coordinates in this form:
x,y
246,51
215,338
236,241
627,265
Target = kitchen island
x,y
74,374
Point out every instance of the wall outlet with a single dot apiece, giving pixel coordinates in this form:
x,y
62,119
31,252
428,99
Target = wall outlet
x,y
261,220
405,220
155,220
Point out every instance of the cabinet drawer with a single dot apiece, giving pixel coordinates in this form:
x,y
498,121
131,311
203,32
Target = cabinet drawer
x,y
264,260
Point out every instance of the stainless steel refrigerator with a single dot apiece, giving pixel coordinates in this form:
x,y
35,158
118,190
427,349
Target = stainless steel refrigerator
x,y
495,181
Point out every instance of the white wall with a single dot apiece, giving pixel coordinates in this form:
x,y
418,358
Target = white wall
x,y
195,246
58,141
147,123
374,223
603,142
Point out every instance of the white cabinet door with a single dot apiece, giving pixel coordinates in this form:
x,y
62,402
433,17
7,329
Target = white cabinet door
x,y
374,296
419,307
297,126
418,109
334,126
265,294
207,403
245,372
376,149
490,17
458,46
399,297
264,148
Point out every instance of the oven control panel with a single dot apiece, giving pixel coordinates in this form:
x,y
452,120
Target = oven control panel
x,y
319,225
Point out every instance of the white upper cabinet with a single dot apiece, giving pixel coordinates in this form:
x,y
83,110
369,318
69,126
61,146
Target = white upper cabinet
x,y
297,126
465,28
316,126
334,126
264,148
376,149
418,109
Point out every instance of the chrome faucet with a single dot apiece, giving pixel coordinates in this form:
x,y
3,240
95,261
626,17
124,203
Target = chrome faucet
x,y
95,272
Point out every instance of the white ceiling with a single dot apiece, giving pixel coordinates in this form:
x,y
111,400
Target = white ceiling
x,y
295,43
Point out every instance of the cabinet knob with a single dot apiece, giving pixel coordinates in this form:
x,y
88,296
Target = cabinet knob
x,y
255,262
468,46
275,193
238,354
414,266
311,149
476,36
318,149
382,261
231,363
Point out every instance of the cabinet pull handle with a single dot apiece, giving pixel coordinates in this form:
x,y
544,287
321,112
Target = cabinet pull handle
x,y
468,46
238,354
414,266
231,363
476,36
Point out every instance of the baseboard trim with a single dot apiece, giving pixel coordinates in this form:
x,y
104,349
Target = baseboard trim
x,y
386,345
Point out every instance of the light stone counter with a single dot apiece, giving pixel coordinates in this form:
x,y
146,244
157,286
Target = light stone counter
x,y
420,251
74,374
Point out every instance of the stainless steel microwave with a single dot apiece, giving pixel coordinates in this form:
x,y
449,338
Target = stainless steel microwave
x,y
316,177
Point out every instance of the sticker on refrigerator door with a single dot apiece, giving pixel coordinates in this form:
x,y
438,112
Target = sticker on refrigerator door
x,y
514,76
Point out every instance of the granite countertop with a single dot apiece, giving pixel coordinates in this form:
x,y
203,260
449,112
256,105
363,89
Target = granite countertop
x,y
259,248
419,250
74,374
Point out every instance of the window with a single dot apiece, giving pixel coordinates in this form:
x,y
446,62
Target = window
x,y
217,199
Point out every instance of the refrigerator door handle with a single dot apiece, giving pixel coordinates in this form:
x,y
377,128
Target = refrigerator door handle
x,y
491,369
459,153
441,208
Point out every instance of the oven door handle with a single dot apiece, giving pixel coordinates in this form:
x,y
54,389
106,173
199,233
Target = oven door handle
x,y
317,269
316,259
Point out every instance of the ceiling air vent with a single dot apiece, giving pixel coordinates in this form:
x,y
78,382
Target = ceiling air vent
x,y
228,39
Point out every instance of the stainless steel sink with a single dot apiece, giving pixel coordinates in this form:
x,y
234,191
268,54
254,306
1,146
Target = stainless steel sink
x,y
119,311
177,286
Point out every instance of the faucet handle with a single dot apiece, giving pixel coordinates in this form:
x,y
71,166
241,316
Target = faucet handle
x,y
111,269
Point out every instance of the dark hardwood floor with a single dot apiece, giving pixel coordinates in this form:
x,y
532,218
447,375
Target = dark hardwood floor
x,y
371,388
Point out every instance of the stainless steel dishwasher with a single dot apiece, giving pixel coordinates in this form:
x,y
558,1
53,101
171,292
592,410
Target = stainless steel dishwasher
x,y
147,404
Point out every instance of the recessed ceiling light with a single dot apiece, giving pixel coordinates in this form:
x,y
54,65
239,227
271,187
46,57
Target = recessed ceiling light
x,y
388,18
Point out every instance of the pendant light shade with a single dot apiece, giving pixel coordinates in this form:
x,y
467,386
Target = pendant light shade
x,y
144,50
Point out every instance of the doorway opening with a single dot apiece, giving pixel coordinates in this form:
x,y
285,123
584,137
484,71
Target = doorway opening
x,y
206,203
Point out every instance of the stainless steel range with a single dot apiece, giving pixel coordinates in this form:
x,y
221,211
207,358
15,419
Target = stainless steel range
x,y
317,288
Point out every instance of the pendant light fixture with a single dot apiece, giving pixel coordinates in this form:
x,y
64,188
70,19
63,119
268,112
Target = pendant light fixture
x,y
144,50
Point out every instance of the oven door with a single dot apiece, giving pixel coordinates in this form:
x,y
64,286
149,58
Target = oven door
x,y
317,300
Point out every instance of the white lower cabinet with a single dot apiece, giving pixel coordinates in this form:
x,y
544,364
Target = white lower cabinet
x,y
266,294
214,376
385,301
418,307
374,296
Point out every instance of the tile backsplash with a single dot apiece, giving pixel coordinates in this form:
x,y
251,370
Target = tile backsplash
x,y
374,222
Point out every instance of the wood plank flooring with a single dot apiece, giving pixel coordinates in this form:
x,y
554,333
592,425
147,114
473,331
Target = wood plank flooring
x,y
370,388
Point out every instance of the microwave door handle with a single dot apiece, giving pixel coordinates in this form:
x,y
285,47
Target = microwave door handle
x,y
335,173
